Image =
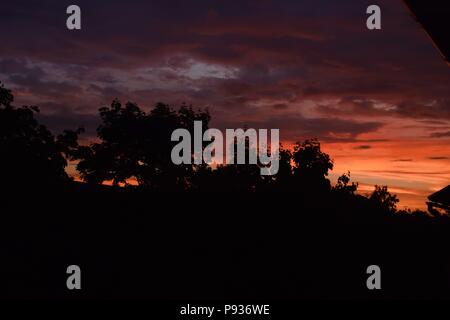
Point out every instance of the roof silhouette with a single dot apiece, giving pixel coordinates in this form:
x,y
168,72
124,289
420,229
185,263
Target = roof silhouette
x,y
433,15
441,196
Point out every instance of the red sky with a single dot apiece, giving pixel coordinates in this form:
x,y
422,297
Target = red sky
x,y
378,100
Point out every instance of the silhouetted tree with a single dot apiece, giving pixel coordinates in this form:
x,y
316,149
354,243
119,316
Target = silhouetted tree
x,y
343,185
6,97
237,177
136,144
416,213
283,180
311,166
30,154
383,199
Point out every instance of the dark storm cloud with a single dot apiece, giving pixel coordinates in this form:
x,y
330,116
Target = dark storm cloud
x,y
294,126
437,109
406,172
445,134
362,147
19,66
420,110
58,122
280,106
279,52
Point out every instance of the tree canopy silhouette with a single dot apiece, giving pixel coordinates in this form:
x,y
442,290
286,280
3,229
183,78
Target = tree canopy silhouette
x,y
134,145
343,185
30,153
137,145
311,166
384,199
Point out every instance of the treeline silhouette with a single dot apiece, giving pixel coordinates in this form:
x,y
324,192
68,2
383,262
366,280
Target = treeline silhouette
x,y
188,232
133,149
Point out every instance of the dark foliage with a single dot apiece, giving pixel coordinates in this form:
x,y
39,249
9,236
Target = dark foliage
x,y
30,154
289,236
135,146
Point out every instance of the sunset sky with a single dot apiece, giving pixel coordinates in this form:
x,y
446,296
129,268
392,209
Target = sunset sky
x,y
379,101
